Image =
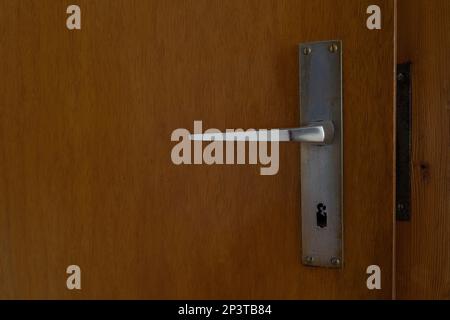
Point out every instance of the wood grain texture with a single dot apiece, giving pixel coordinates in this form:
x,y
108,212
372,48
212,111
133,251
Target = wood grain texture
x,y
85,170
423,244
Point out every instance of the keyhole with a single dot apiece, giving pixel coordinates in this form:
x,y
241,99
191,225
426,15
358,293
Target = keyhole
x,y
321,215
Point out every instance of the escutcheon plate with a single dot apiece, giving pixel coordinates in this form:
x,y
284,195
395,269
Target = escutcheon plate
x,y
321,166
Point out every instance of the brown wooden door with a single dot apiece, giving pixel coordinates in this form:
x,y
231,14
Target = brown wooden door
x,y
423,243
86,176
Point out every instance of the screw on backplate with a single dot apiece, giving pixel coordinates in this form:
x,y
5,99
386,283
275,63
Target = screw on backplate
x,y
306,51
335,261
309,259
400,77
333,48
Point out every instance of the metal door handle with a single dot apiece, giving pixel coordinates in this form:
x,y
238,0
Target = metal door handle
x,y
321,157
320,132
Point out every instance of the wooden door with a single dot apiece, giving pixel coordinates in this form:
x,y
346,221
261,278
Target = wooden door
x,y
86,176
423,255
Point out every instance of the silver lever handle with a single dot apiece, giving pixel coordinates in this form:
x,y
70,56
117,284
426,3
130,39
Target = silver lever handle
x,y
316,133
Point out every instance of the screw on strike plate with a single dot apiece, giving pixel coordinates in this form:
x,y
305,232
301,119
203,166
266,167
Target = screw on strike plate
x,y
306,51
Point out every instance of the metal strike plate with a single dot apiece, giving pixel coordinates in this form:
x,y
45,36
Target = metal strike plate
x,y
403,144
321,166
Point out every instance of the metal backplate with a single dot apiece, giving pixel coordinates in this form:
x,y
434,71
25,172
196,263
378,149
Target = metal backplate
x,y
321,166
